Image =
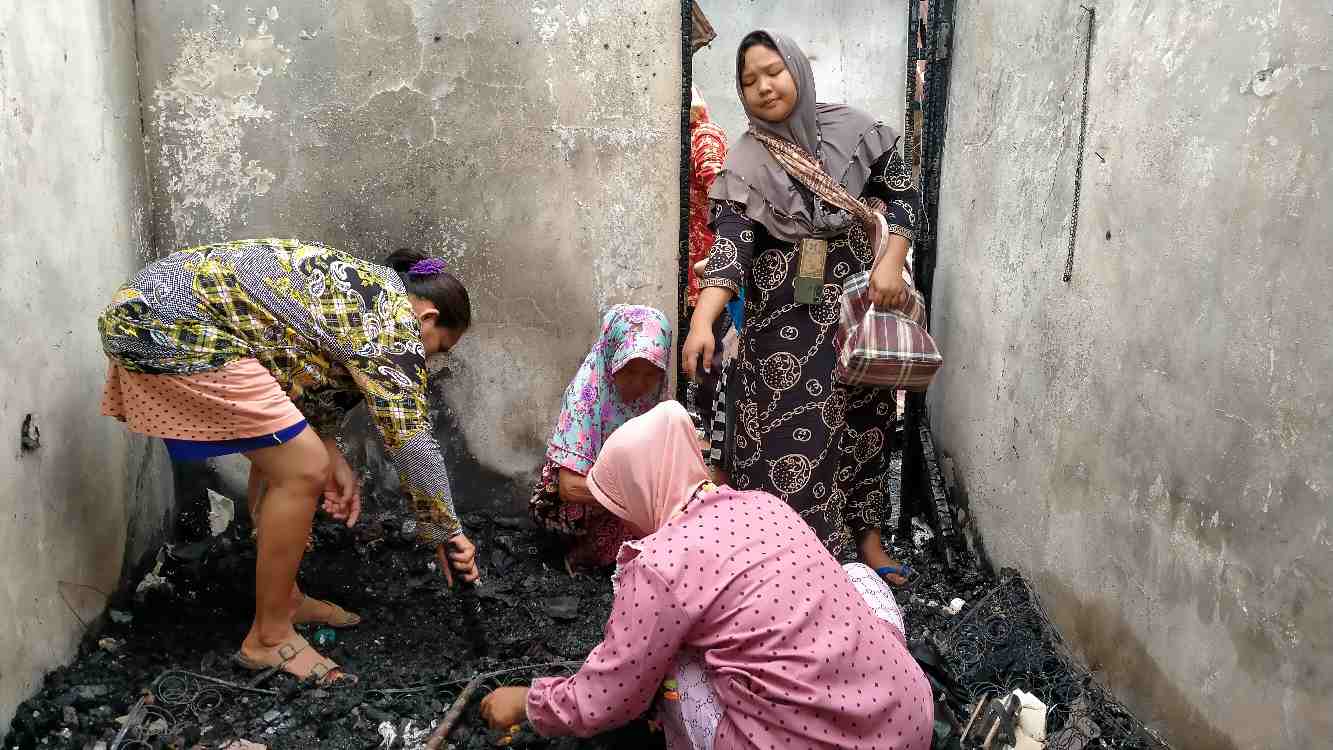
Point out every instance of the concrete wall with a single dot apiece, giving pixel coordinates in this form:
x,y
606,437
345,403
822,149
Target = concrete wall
x,y
73,222
1151,442
534,145
857,48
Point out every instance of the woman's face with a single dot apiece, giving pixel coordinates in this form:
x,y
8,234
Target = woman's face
x,y
444,339
637,379
435,338
767,86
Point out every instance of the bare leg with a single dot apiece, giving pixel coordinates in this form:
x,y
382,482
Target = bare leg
x,y
295,473
254,490
254,493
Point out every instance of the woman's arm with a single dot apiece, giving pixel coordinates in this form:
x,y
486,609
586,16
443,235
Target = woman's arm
x,y
395,391
723,278
574,488
623,673
891,181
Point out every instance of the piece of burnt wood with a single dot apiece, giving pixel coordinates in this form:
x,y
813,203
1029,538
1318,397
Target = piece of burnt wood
x,y
441,733
703,30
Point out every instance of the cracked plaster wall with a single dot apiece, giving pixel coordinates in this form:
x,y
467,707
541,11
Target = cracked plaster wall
x,y
77,512
1152,441
534,145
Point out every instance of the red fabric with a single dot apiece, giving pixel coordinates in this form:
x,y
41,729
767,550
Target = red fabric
x,y
708,152
593,535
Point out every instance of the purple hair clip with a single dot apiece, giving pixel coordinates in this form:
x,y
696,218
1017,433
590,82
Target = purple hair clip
x,y
427,267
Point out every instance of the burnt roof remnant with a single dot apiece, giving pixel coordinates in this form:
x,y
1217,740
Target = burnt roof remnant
x,y
703,33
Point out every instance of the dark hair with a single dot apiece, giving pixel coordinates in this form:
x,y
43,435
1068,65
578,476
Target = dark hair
x,y
441,289
753,39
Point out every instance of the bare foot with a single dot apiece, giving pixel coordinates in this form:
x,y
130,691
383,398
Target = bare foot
x,y
873,555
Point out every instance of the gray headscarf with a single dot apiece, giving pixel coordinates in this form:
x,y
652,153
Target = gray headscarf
x,y
846,140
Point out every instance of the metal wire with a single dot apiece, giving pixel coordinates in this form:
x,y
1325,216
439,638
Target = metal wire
x,y
145,722
1007,641
515,675
1082,137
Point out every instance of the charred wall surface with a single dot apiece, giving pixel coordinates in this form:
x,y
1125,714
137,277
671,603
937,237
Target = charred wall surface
x,y
533,145
77,496
1150,441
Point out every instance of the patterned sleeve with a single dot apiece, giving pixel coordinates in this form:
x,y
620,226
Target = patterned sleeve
x,y
395,391
729,260
891,181
708,152
622,674
325,411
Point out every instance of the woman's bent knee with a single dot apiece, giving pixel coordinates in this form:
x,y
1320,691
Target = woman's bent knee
x,y
312,475
302,465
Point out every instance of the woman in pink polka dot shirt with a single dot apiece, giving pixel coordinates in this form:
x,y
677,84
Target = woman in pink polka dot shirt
x,y
762,639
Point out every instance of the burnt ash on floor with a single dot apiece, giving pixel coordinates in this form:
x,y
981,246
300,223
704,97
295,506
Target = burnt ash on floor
x,y
414,640
1001,640
412,636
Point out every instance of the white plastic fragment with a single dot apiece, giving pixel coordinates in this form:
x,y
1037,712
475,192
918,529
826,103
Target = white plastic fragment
x,y
221,512
415,739
1030,734
154,579
1032,716
955,606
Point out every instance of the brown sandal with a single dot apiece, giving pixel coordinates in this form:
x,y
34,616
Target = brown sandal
x,y
325,672
338,617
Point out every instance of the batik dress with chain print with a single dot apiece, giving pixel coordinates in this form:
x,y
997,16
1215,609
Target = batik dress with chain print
x,y
821,446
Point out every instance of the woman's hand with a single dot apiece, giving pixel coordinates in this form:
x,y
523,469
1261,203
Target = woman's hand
x,y
574,488
699,346
888,290
342,494
458,555
505,707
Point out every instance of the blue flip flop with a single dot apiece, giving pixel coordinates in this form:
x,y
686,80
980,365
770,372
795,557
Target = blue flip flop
x,y
894,570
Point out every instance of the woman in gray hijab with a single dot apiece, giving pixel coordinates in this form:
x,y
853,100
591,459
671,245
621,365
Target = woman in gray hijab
x,y
821,446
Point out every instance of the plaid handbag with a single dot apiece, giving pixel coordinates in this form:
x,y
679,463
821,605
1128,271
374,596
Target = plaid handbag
x,y
883,348
875,347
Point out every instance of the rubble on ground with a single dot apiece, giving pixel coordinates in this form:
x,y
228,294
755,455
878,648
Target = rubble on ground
x,y
994,638
159,673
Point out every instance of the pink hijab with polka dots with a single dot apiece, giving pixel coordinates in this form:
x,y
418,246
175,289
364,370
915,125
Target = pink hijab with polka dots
x,y
649,468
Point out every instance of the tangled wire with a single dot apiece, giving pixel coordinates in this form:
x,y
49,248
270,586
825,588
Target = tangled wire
x,y
176,695
1007,642
179,696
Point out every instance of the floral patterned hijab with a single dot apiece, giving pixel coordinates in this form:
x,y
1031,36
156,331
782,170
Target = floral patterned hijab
x,y
593,408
